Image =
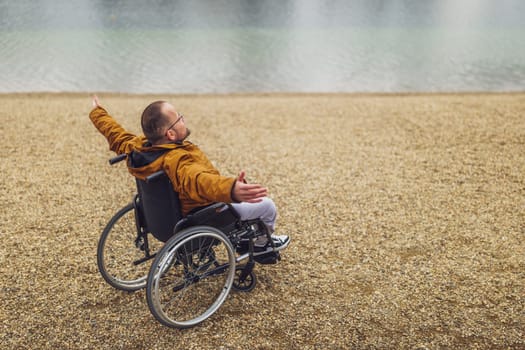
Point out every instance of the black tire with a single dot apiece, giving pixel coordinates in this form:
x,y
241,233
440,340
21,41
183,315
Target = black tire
x,y
191,277
247,284
117,252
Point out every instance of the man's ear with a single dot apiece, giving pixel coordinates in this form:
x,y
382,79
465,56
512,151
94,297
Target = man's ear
x,y
171,135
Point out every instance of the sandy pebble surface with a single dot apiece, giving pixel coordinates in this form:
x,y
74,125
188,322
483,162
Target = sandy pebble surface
x,y
407,214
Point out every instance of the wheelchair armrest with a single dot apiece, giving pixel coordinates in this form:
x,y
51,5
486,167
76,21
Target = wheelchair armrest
x,y
220,215
208,211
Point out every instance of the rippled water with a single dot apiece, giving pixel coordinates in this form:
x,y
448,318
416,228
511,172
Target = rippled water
x,y
257,46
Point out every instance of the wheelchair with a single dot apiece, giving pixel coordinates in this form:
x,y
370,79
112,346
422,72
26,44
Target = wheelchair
x,y
196,260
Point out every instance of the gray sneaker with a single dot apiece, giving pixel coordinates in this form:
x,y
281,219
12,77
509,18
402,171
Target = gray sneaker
x,y
279,242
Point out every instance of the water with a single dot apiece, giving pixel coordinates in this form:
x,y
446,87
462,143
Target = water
x,y
262,46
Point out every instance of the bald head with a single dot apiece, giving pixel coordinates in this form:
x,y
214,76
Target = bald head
x,y
154,121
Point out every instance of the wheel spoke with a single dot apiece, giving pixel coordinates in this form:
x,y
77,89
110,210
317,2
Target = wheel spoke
x,y
199,284
117,252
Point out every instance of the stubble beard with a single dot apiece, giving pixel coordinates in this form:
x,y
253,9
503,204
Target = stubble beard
x,y
188,132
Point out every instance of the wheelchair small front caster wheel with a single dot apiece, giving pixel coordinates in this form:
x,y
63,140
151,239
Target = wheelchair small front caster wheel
x,y
243,281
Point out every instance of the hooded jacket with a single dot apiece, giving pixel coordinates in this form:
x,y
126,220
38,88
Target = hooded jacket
x,y
193,176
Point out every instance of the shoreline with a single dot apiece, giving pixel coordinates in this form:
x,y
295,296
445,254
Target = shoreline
x,y
267,94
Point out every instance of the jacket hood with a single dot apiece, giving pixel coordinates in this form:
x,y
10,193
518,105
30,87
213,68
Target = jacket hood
x,y
147,159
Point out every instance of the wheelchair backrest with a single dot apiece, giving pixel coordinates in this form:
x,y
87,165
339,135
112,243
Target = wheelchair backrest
x,y
160,206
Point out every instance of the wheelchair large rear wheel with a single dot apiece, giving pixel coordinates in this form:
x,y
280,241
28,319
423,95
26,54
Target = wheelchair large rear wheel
x,y
191,277
118,256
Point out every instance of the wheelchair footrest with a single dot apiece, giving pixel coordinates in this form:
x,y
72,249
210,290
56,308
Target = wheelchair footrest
x,y
270,255
268,258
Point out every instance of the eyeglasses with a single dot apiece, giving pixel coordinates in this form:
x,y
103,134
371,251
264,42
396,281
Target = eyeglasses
x,y
176,121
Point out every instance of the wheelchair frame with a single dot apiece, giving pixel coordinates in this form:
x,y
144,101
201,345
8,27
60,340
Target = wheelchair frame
x,y
196,260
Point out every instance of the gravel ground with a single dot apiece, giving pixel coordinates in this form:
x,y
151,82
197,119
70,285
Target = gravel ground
x,y
407,214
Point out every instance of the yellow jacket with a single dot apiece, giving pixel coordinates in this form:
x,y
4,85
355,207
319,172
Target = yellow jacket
x,y
193,176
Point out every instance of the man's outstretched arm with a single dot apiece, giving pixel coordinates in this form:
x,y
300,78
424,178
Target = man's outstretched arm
x,y
120,141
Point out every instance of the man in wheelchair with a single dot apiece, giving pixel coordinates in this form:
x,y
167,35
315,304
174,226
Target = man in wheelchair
x,y
198,183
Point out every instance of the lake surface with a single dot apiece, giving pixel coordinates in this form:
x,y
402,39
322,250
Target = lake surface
x,y
262,46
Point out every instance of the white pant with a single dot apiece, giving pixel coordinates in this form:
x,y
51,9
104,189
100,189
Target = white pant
x,y
264,210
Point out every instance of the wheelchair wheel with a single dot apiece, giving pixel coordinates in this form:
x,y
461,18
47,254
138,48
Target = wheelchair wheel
x,y
244,282
117,252
191,277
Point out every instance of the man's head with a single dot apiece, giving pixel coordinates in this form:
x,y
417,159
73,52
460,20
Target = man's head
x,y
162,124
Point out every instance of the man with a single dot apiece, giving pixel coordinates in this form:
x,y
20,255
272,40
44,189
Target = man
x,y
194,178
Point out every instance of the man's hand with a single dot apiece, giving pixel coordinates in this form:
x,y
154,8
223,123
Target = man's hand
x,y
96,103
251,193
